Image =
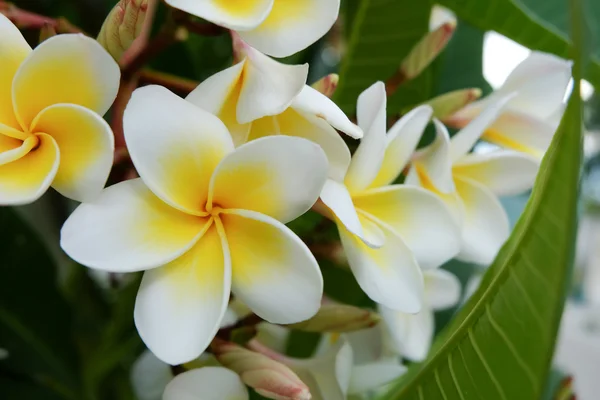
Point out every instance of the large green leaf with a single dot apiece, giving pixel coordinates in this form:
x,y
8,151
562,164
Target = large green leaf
x,y
35,321
381,33
500,345
537,24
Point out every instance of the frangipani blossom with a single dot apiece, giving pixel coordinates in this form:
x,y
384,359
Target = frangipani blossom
x,y
260,97
343,365
531,117
51,129
279,28
409,228
411,334
469,183
209,383
204,219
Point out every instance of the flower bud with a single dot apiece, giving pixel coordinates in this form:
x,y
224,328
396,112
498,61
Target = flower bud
x,y
424,52
338,318
122,26
267,376
449,103
327,84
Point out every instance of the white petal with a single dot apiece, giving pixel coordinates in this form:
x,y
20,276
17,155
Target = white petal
x,y
209,383
505,173
485,224
274,83
213,92
465,139
127,228
314,102
327,376
521,132
540,82
273,336
410,334
293,25
27,178
150,376
367,344
233,15
175,146
442,289
86,146
374,375
389,275
69,68
420,218
367,160
280,176
274,273
402,140
13,50
337,198
432,166
179,307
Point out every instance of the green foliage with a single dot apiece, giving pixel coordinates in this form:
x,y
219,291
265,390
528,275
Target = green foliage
x,y
537,24
500,345
35,320
381,33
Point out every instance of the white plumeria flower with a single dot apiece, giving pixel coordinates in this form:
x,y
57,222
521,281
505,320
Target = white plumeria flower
x,y
51,129
343,365
287,106
204,219
150,376
279,28
531,117
409,227
209,383
411,334
469,183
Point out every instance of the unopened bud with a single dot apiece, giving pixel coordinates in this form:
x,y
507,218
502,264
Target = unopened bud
x,y
122,26
327,84
422,55
447,104
47,31
268,377
338,318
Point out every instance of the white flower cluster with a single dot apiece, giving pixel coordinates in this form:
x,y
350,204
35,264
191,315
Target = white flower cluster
x,y
252,148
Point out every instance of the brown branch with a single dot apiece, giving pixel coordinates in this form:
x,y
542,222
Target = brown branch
x,y
175,83
28,20
250,320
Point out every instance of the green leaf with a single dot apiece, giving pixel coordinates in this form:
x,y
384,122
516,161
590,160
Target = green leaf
x,y
500,345
537,24
382,32
35,321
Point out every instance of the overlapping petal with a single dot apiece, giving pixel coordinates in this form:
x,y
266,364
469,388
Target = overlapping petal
x,y
279,176
401,142
274,83
293,25
25,179
175,146
521,132
374,375
389,275
127,228
367,160
179,306
505,173
410,335
70,68
442,289
274,273
86,146
337,198
13,51
420,218
236,15
311,101
485,223
209,383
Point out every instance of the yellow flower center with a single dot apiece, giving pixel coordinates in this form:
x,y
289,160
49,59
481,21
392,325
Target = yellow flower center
x,y
15,145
